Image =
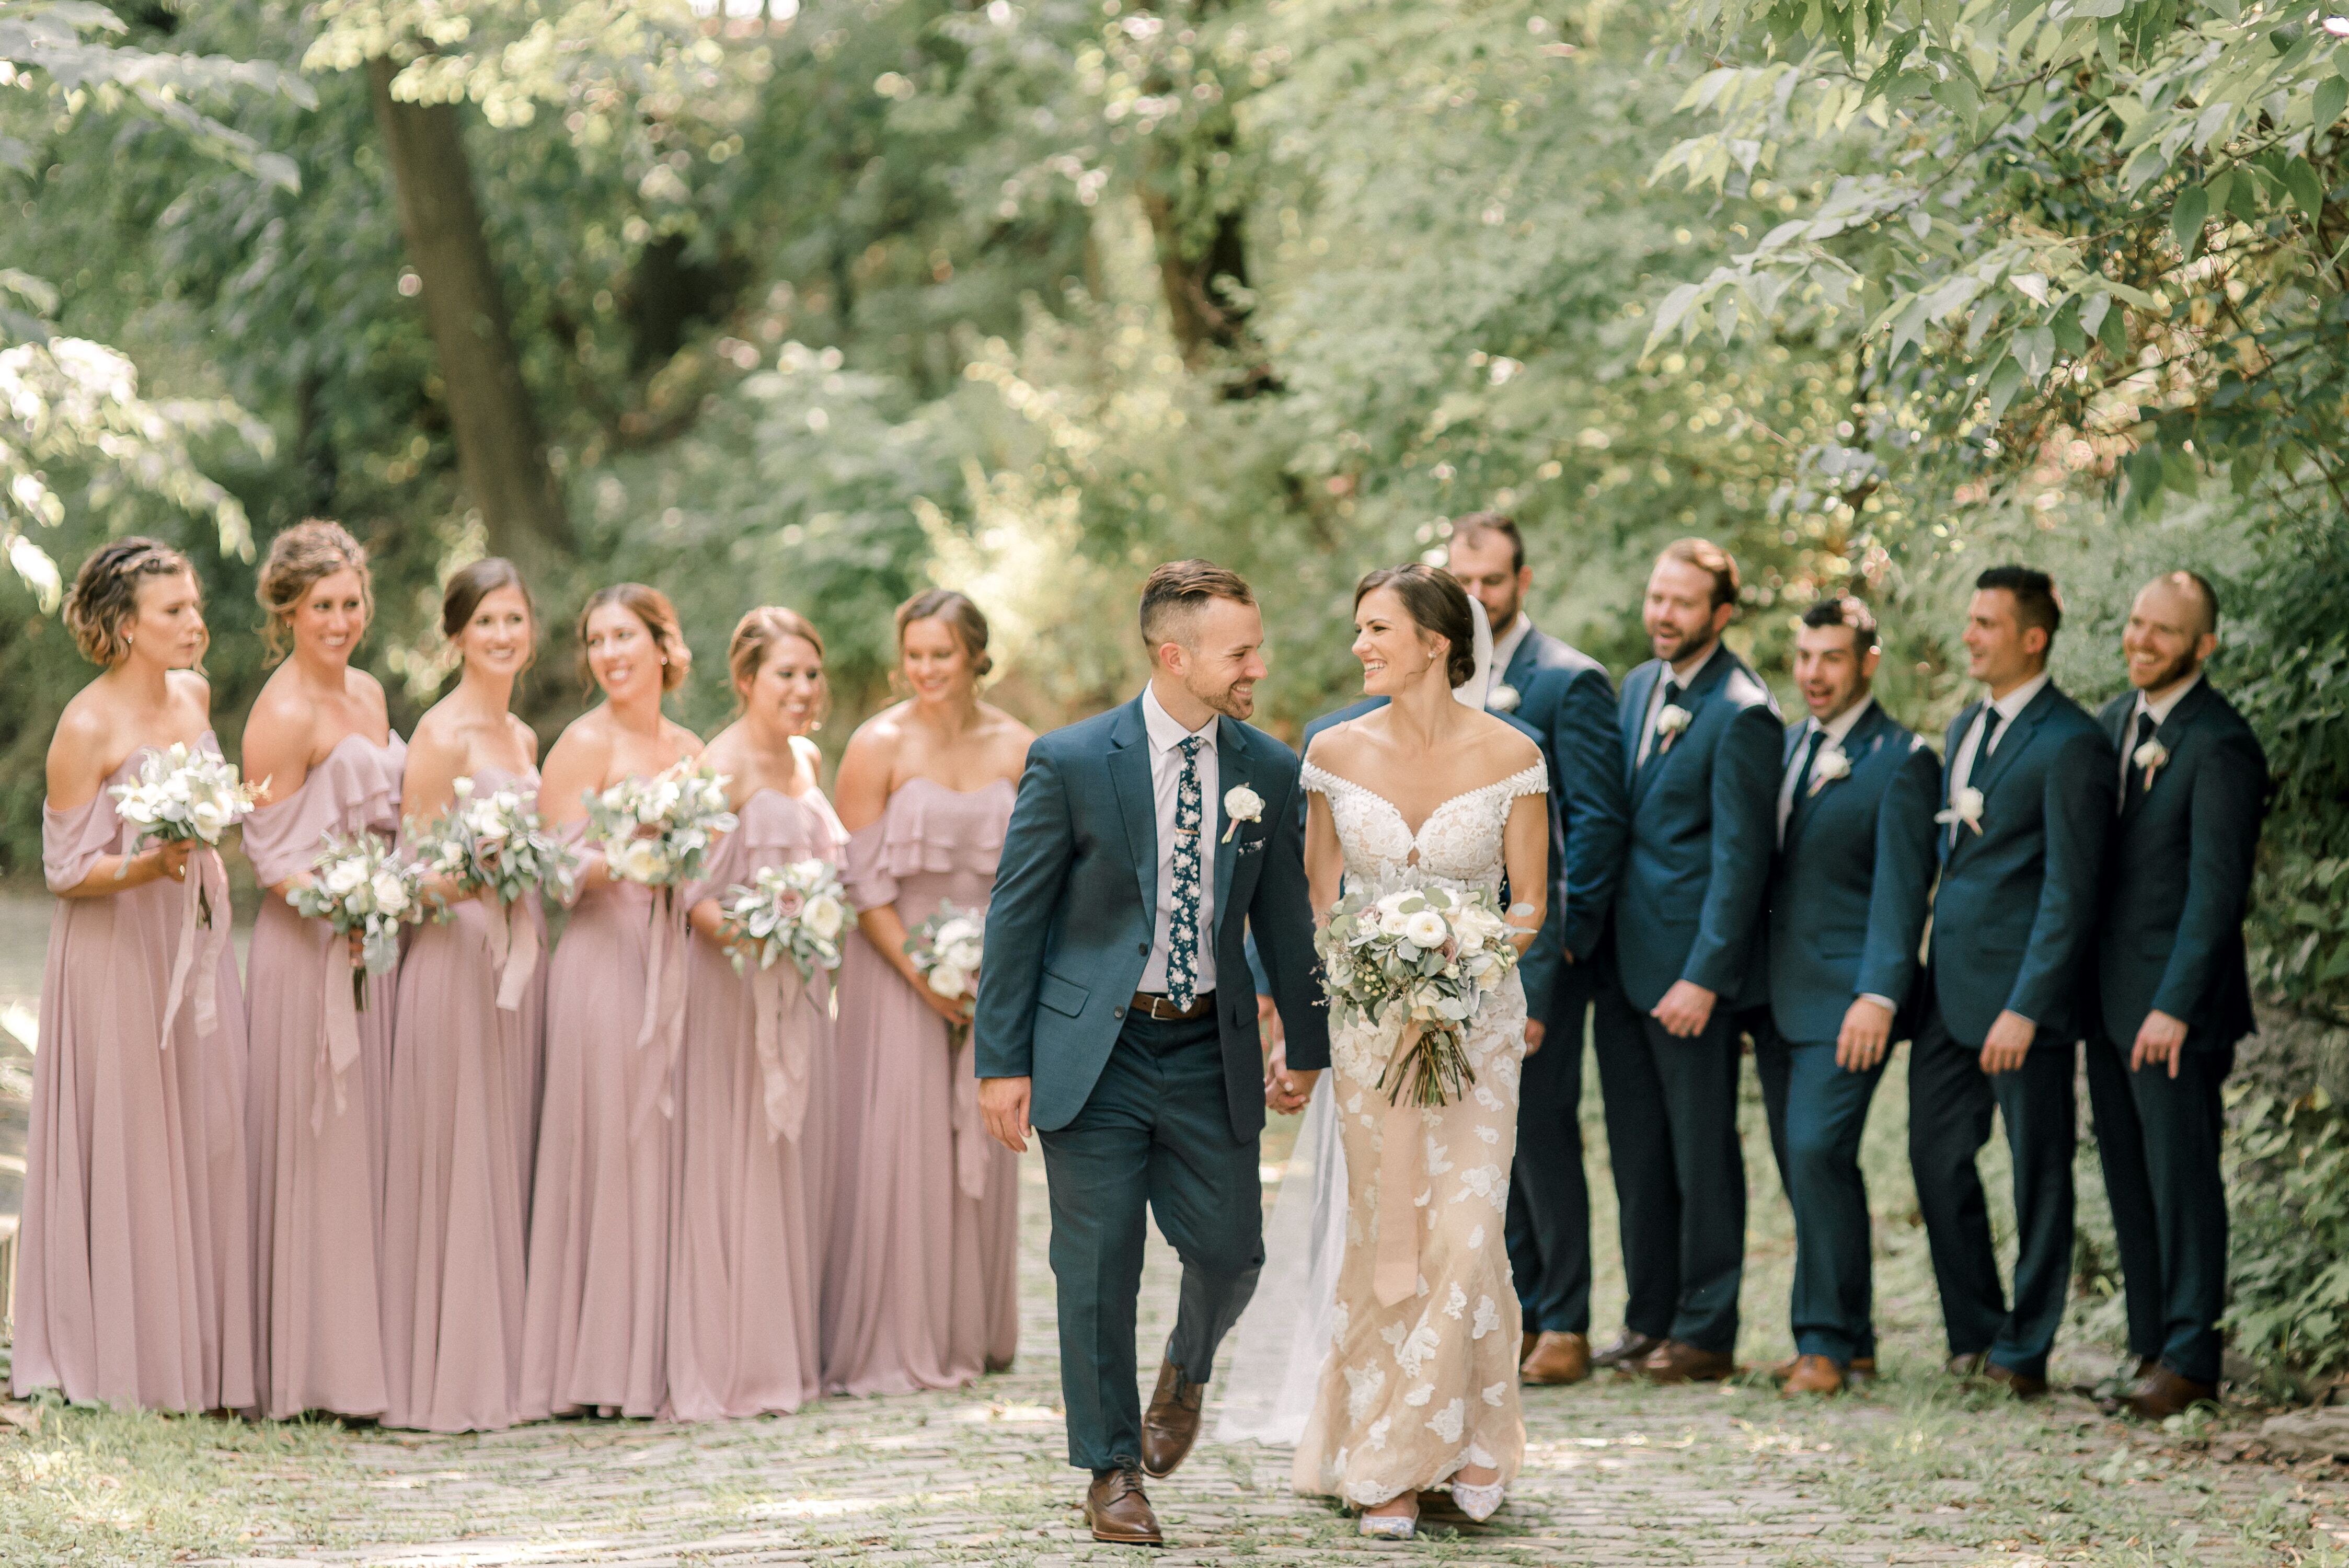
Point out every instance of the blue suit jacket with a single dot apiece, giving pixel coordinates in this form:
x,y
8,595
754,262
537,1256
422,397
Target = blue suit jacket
x,y
2179,874
2015,917
1703,822
1075,909
1564,697
1851,884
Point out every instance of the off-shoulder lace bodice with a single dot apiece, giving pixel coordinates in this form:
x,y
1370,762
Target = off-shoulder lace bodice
x,y
1459,845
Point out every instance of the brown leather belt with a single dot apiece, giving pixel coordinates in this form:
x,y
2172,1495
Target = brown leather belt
x,y
1151,1005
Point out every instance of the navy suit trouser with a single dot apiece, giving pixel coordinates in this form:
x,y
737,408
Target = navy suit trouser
x,y
2158,1139
1950,1103
1548,1225
1154,1140
1817,1111
1680,1177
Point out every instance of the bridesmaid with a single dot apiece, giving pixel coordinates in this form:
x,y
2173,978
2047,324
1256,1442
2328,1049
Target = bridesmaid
x,y
920,1286
135,1281
321,738
749,1239
596,1331
466,1053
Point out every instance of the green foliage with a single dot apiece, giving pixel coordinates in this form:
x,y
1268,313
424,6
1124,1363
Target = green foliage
x,y
2290,1186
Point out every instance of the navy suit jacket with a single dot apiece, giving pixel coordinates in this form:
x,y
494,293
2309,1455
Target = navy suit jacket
x,y
1703,819
1851,884
2015,917
2179,874
1564,698
1074,910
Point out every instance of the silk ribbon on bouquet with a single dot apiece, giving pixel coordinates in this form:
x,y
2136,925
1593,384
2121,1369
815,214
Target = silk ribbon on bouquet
x,y
786,1045
338,1033
1403,1165
195,963
514,950
660,1038
971,1143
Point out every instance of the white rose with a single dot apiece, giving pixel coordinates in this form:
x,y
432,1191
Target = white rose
x,y
463,787
1502,698
344,878
1394,922
390,891
823,916
964,954
948,981
639,860
1425,930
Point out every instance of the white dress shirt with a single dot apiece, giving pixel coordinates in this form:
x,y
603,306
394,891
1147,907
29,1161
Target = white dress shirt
x,y
1506,648
1166,737
2009,707
1656,699
1836,727
2161,707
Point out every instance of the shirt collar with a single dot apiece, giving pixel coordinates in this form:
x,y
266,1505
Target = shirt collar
x,y
2015,701
1842,725
2162,709
1166,732
1505,649
1690,679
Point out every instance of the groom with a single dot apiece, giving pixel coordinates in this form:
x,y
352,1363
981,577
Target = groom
x,y
1145,843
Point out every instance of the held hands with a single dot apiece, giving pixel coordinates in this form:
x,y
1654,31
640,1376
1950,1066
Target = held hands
x,y
2160,1038
1867,1031
1685,1010
1287,1091
1003,1107
1534,1030
2009,1043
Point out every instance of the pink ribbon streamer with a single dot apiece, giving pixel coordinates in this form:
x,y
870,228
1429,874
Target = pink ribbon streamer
x,y
660,1038
197,954
1394,1272
513,952
786,1055
338,1035
971,1143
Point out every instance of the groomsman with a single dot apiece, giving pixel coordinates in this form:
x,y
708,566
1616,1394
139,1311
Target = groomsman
x,y
1700,742
1564,698
1847,899
2175,996
2029,784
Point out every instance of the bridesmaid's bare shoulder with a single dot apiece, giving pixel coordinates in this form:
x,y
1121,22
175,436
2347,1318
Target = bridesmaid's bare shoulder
x,y
81,749
861,788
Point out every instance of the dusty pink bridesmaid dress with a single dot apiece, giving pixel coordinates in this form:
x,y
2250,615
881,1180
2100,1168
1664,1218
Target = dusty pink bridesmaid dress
x,y
136,1257
595,1332
470,1019
920,1286
314,1109
747,1234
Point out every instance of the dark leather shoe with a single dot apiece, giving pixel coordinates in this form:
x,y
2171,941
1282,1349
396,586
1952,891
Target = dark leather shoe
x,y
1556,1358
1674,1362
1119,1513
1170,1424
1812,1375
2161,1394
1629,1349
1967,1367
2021,1384
1526,1346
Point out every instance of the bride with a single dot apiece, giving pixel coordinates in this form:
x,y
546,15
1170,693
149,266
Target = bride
x,y
1419,1389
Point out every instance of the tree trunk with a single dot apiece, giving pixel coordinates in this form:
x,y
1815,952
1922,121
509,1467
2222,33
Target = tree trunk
x,y
1203,313
501,455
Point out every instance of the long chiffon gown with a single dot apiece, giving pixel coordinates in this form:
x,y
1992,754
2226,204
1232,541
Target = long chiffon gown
x,y
920,1284
136,1273
321,1080
595,1324
748,1231
455,1200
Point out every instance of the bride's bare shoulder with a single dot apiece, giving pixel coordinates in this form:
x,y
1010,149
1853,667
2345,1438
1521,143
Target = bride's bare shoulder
x,y
1511,749
1342,744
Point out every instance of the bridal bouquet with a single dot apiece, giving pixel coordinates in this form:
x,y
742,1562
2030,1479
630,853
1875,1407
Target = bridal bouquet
x,y
1435,953
185,795
945,950
658,830
495,842
794,911
357,885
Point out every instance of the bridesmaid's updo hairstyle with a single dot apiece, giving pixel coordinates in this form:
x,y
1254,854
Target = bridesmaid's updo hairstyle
x,y
298,559
104,599
469,585
1437,604
756,638
651,606
961,617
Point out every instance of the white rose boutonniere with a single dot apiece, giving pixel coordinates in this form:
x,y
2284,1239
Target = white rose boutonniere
x,y
1827,767
1503,698
1241,804
2151,757
1966,808
1669,725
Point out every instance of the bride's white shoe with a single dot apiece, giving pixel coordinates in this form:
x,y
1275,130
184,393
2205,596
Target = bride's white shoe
x,y
1391,1526
1478,1503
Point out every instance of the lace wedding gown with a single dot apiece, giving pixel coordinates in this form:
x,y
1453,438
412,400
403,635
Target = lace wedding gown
x,y
1411,1393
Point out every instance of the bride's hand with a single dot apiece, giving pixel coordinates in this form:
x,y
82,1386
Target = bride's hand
x,y
1290,1091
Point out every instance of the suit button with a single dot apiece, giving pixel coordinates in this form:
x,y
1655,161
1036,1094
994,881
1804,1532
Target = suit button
x,y
1143,948
1117,1011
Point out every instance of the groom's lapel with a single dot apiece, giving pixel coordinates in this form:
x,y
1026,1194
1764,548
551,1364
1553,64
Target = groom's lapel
x,y
1129,774
1232,770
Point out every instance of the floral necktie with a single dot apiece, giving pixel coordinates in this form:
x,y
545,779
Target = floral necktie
x,y
1183,930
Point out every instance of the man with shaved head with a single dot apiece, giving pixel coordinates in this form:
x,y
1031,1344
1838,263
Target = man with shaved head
x,y
2175,993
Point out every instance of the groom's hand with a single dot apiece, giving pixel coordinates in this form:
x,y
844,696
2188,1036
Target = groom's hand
x,y
1290,1090
1685,1010
1003,1106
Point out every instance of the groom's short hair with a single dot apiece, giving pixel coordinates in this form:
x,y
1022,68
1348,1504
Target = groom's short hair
x,y
1178,590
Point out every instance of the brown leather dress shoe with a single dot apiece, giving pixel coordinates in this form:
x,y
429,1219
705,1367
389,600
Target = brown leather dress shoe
x,y
1861,1370
1812,1375
2023,1386
1119,1513
1170,1424
2161,1394
1674,1362
1526,1346
1630,1349
1967,1367
1556,1357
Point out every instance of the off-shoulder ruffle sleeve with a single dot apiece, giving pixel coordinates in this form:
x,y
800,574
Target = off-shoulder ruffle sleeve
x,y
356,787
73,843
920,833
